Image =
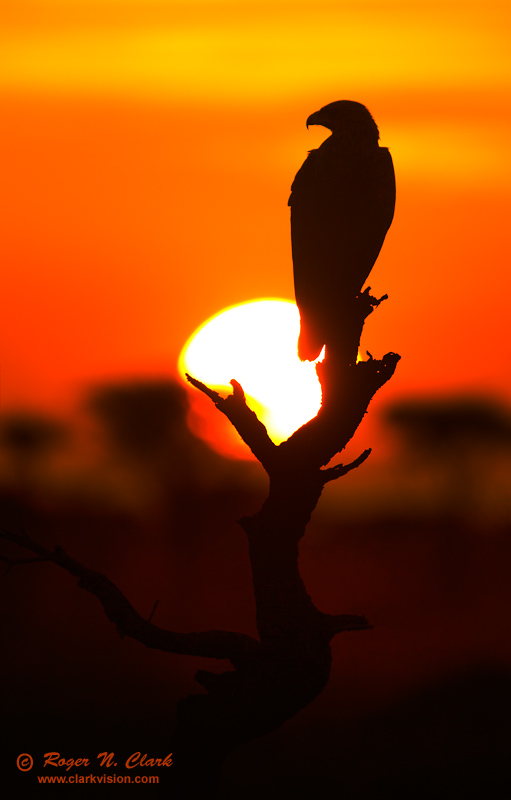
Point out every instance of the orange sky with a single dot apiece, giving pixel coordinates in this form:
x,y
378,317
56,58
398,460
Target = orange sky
x,y
149,147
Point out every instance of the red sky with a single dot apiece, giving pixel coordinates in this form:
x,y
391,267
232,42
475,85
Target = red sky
x,y
148,151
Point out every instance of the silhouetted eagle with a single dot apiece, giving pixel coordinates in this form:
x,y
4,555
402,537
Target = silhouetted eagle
x,y
342,203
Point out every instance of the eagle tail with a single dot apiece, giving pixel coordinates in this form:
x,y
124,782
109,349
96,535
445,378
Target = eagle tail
x,y
309,345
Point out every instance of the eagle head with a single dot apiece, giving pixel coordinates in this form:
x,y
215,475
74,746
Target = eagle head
x,y
347,119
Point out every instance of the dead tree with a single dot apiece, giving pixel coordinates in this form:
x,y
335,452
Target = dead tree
x,y
282,671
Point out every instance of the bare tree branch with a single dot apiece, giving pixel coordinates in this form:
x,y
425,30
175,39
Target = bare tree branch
x,y
14,562
237,647
347,391
338,623
246,422
341,469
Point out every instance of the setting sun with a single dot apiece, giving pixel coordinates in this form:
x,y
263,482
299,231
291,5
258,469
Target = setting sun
x,y
255,343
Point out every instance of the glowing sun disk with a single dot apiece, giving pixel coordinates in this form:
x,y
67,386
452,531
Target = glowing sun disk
x,y
255,343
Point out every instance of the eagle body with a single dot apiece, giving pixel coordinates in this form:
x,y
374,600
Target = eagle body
x,y
342,204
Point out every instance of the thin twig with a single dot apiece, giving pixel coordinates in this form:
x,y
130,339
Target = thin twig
x,y
339,470
154,609
340,623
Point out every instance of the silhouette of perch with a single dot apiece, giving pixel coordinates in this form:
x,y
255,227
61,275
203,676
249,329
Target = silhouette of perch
x,y
283,670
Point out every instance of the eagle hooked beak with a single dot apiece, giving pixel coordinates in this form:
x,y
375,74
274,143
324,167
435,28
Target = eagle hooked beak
x,y
318,118
312,120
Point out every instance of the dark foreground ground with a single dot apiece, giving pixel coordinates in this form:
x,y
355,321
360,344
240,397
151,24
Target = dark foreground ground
x,y
418,707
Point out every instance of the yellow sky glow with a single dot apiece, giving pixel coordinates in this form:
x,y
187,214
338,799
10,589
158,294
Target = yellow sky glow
x,y
251,50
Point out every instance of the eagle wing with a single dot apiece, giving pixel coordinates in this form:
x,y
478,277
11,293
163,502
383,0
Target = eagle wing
x,y
342,205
